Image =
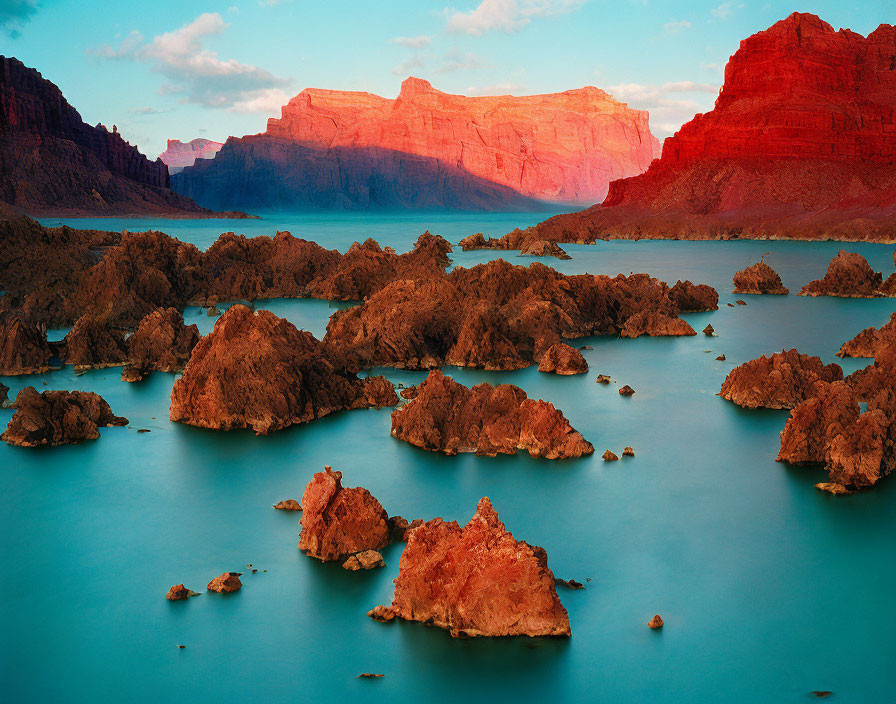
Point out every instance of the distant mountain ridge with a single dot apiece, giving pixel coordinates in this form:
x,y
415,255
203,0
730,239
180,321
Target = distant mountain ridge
x,y
178,155
428,149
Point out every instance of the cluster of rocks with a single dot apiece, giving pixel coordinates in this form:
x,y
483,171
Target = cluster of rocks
x,y
849,275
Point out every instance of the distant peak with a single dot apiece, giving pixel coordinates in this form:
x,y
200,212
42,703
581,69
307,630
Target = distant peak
x,y
415,86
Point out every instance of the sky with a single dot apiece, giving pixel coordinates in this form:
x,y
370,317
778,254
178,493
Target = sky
x,y
181,69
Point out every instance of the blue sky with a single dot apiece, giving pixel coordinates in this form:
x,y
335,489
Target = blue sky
x,y
181,69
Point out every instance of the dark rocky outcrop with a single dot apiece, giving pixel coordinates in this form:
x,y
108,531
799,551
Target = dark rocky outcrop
x,y
58,418
255,370
93,344
179,592
871,341
849,275
339,522
23,346
161,343
450,418
476,581
225,583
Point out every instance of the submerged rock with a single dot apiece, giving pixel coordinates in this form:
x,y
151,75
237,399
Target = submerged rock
x,y
832,488
258,371
288,505
383,614
227,582
338,522
178,592
450,418
568,583
759,278
563,359
477,581
58,418
781,381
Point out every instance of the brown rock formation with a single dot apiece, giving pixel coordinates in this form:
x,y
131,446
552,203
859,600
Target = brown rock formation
x,y
626,390
477,581
628,452
798,145
655,324
541,248
4,390
227,582
813,423
23,346
338,522
428,149
288,505
694,298
493,316
55,164
448,417
602,379
759,278
656,622
255,370
399,527
92,343
781,381
610,456
179,592
849,275
161,343
383,614
709,331
366,560
563,359
871,341
57,418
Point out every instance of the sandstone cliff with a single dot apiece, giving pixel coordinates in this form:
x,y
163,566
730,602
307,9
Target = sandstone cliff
x,y
428,149
178,155
800,144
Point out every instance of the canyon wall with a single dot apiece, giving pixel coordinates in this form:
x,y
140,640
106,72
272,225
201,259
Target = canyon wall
x,y
54,163
428,149
178,155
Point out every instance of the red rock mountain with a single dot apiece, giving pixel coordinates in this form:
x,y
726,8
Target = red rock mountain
x,y
178,155
53,163
801,143
427,148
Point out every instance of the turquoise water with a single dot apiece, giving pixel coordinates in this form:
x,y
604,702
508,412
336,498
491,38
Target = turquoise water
x,y
769,588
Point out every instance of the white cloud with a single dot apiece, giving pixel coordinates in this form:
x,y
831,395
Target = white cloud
x,y
507,15
420,42
457,61
147,110
723,11
497,89
676,27
266,101
670,105
408,66
196,73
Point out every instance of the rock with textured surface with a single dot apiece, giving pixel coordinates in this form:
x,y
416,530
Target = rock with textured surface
x,y
428,149
815,422
288,505
255,370
58,418
93,344
656,325
799,145
656,622
781,381
849,275
626,390
693,298
227,582
161,343
563,359
871,341
610,456
338,522
23,346
179,592
366,560
477,581
759,278
448,417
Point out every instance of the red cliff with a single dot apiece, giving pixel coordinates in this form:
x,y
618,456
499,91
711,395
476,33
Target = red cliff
x,y
429,149
55,164
476,581
801,143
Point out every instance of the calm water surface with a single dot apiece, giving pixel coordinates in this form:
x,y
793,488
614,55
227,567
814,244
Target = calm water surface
x,y
769,588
